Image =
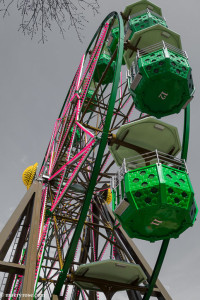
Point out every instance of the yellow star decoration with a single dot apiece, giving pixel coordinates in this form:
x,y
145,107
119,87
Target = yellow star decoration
x,y
29,174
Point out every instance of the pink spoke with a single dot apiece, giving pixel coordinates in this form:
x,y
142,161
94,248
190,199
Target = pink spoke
x,y
84,129
79,73
92,64
54,143
130,98
41,249
129,117
50,144
104,251
72,160
71,178
65,136
74,85
44,198
121,85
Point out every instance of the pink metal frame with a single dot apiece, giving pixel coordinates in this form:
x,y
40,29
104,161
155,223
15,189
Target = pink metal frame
x,y
76,95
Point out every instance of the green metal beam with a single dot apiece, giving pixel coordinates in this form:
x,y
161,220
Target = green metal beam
x,y
186,132
157,269
103,142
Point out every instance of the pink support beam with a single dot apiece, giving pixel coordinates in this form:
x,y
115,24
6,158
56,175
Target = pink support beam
x,y
79,72
64,138
41,248
92,64
78,155
130,98
50,144
74,84
84,129
43,204
129,116
68,183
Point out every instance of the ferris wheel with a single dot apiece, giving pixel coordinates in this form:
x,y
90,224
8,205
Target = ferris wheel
x,y
113,170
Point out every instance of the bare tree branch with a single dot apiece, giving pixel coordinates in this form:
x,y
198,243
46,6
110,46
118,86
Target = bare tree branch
x,y
39,16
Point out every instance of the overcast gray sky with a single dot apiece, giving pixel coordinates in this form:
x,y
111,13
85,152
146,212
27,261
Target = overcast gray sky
x,y
34,79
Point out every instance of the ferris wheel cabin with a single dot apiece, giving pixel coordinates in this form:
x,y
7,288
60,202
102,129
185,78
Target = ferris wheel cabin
x,y
152,195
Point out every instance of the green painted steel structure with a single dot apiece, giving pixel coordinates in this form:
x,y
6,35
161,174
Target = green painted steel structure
x,y
154,201
157,269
